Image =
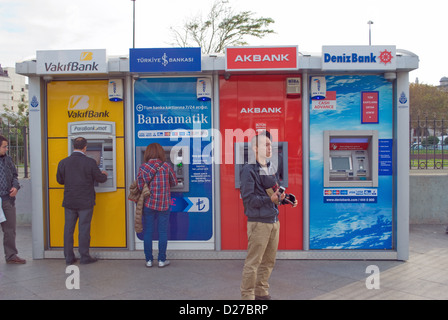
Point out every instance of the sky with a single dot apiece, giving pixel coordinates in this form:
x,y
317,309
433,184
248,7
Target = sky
x,y
417,26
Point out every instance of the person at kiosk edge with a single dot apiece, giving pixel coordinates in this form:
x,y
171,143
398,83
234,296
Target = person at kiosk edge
x,y
160,177
78,174
261,196
9,185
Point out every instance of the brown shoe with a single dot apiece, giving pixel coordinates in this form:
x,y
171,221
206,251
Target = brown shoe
x,y
268,297
16,260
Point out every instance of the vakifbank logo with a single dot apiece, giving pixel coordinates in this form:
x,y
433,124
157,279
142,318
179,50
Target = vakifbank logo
x,y
86,56
78,103
71,61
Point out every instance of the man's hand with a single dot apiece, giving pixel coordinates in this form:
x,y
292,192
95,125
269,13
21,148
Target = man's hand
x,y
277,197
13,192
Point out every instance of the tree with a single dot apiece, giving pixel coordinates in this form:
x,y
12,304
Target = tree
x,y
426,100
221,28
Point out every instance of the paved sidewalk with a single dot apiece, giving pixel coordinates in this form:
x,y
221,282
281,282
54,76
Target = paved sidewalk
x,y
423,276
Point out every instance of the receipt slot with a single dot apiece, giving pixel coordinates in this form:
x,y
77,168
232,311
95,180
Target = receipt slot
x,y
101,147
179,158
351,158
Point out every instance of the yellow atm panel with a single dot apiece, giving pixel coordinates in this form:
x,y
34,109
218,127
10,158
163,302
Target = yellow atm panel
x,y
73,106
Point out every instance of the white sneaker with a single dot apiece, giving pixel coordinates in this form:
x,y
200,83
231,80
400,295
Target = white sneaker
x,y
163,263
148,264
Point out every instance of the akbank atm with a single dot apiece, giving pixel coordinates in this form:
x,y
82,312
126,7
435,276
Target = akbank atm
x,y
351,158
101,147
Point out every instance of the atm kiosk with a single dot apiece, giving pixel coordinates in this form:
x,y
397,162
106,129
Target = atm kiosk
x,y
100,136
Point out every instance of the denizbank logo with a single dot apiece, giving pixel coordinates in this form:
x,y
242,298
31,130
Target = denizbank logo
x,y
71,61
359,58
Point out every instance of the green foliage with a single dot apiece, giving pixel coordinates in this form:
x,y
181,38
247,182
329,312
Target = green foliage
x,y
220,28
426,100
430,141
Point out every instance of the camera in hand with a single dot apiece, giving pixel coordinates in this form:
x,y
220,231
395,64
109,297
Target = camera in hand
x,y
289,197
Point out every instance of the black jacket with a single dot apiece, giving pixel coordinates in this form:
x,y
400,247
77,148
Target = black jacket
x,y
8,177
78,174
258,206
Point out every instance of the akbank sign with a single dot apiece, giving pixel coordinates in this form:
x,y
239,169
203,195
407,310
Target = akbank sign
x,y
165,60
359,58
71,61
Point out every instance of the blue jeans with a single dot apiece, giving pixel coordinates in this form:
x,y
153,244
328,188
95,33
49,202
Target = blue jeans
x,y
163,218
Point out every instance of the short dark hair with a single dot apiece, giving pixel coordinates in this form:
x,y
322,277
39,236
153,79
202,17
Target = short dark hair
x,y
256,138
2,138
79,143
154,151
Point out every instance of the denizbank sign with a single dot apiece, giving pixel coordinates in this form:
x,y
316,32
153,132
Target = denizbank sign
x,y
71,61
359,58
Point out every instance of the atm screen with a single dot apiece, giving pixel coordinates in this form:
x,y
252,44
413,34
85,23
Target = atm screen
x,y
341,163
95,155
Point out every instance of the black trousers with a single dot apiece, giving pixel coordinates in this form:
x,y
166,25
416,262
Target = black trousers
x,y
9,229
85,218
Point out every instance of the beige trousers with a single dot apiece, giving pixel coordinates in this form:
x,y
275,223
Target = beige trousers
x,y
261,252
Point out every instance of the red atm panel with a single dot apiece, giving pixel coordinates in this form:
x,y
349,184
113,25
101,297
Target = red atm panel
x,y
260,102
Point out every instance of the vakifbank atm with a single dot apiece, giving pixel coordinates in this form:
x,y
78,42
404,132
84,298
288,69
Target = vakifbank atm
x,y
339,123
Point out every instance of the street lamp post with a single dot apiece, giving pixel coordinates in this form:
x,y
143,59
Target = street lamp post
x,y
370,22
133,24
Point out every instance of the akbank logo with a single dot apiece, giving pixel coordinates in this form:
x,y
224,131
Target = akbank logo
x,y
86,56
78,102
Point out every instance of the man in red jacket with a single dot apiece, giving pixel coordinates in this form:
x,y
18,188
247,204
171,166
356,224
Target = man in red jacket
x,y
78,174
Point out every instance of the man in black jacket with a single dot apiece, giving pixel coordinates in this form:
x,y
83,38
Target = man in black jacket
x,y
78,174
9,185
257,182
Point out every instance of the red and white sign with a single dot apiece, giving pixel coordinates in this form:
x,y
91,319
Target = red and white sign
x,y
369,105
349,146
262,58
329,103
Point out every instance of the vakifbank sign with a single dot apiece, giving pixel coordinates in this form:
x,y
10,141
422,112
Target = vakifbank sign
x,y
359,58
71,61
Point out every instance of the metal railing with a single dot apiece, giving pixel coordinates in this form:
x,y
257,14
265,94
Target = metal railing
x,y
18,139
428,143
